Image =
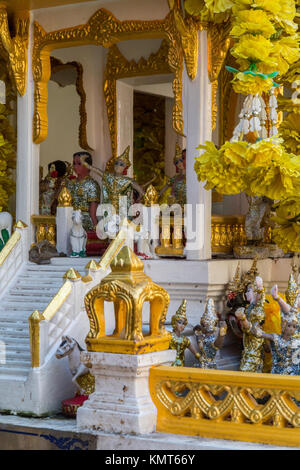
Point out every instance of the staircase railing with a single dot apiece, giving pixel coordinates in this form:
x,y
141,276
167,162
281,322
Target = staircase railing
x,y
13,255
46,328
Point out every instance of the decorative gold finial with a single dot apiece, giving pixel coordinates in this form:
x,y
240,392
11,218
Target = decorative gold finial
x,y
234,285
249,276
151,196
93,265
209,318
20,224
179,315
65,198
292,290
124,157
72,274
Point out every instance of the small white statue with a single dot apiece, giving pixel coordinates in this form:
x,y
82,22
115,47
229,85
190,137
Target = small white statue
x,y
78,235
145,246
6,221
69,347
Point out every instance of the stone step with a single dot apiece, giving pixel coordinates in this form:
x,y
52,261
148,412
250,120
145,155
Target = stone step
x,y
6,333
17,363
9,373
32,292
21,354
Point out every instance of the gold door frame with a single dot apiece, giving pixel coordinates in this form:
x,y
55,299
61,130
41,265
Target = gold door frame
x,y
118,67
106,30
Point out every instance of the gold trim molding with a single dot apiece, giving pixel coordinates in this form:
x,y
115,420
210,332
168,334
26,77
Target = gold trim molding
x,y
118,67
218,45
106,30
14,50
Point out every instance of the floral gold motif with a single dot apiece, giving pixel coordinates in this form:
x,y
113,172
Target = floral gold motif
x,y
227,404
218,45
15,49
104,29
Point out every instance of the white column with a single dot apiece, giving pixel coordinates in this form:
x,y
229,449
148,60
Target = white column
x,y
27,195
125,120
197,128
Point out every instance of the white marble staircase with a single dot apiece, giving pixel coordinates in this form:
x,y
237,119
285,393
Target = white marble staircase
x,y
33,289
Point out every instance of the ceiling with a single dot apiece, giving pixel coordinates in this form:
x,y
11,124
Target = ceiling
x,y
17,5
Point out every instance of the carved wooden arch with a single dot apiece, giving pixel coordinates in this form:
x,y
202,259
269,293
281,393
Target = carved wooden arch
x,y
105,30
14,50
56,65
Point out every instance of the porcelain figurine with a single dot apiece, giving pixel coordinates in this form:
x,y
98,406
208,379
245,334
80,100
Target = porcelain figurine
x,y
179,342
210,336
85,191
250,318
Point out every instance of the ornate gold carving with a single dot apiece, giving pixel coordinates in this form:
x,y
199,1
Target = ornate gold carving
x,y
171,243
45,228
218,46
15,49
128,287
9,246
151,196
102,29
226,404
65,198
227,104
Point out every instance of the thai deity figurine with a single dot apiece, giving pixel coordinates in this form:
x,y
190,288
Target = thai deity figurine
x,y
210,336
116,183
85,191
250,318
292,297
51,186
178,182
178,342
285,346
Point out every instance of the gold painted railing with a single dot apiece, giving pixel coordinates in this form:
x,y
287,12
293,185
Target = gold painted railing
x,y
226,232
45,228
227,404
36,317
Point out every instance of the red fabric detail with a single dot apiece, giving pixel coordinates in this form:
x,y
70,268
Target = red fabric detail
x,y
72,177
54,174
71,405
95,246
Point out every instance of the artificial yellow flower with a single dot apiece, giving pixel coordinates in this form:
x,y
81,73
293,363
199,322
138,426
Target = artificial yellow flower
x,y
288,208
250,85
263,152
278,180
218,171
286,235
284,53
254,49
194,7
289,130
235,153
218,6
252,21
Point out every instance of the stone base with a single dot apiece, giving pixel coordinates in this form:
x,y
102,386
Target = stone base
x,y
121,402
261,252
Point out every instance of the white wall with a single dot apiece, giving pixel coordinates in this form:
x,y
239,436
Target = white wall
x,y
64,120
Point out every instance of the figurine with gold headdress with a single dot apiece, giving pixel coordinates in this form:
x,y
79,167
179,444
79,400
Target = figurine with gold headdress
x,y
210,336
116,183
285,346
179,342
250,319
178,182
292,296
